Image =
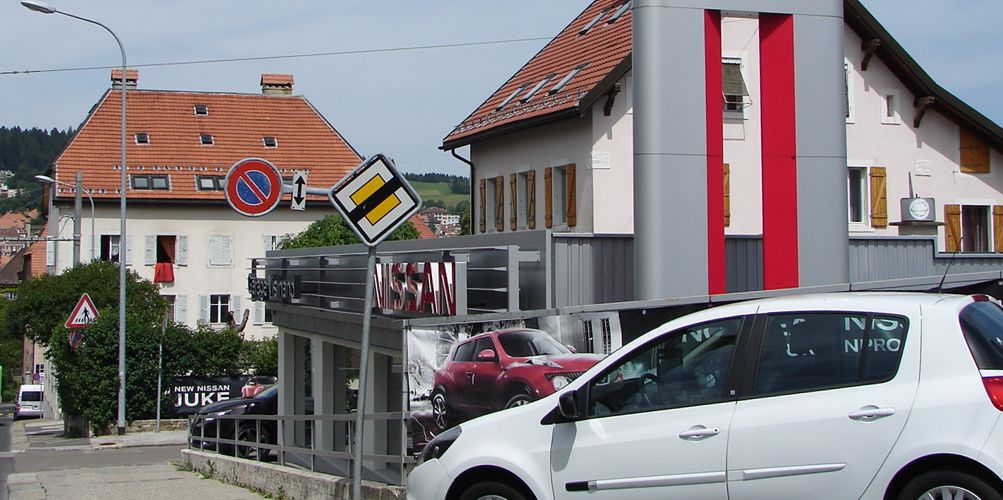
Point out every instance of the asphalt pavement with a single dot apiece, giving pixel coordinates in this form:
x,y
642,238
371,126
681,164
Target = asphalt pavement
x,y
37,462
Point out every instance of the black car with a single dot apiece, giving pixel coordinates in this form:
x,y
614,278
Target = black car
x,y
223,416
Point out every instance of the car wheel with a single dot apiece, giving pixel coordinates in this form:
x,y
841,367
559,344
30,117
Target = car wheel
x,y
524,396
492,490
440,410
948,485
249,433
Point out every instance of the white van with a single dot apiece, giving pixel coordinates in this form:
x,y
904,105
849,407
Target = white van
x,y
29,401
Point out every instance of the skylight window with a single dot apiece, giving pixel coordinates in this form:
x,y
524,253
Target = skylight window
x,y
142,138
512,96
270,142
209,182
206,139
585,29
201,109
619,12
529,95
150,181
567,78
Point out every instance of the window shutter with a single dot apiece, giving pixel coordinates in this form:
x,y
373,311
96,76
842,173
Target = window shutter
x,y
531,199
95,248
514,202
974,153
727,195
220,250
258,317
500,203
181,309
952,231
204,309
879,197
128,249
235,308
483,211
181,251
268,243
50,253
998,228
570,195
150,252
548,197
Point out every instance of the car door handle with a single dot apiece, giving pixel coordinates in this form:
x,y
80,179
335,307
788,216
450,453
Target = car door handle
x,y
870,413
698,432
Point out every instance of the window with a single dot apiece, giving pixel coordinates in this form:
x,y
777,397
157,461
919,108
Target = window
x,y
511,96
270,142
201,109
567,78
867,197
158,182
619,12
489,196
209,182
857,194
816,351
682,368
890,108
206,139
109,247
522,194
219,306
974,228
733,87
982,324
142,138
560,189
585,29
465,352
848,82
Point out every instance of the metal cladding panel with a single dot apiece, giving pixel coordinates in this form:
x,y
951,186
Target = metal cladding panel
x,y
822,240
806,7
744,257
593,270
876,258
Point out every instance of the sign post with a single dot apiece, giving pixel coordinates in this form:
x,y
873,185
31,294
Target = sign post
x,y
374,200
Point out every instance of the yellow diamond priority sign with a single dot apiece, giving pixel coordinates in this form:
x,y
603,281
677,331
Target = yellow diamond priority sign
x,y
375,199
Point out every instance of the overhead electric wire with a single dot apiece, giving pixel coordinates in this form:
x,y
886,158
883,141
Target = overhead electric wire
x,y
285,56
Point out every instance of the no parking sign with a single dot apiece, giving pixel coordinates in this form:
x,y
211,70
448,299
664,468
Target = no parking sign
x,y
253,187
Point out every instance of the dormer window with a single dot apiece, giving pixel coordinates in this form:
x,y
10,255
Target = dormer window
x,y
206,139
142,138
529,95
209,182
270,142
150,182
201,109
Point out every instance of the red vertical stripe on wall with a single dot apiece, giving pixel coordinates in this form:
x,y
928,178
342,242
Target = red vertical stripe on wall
x,y
780,198
716,277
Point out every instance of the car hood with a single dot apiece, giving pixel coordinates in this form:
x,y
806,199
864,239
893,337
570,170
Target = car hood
x,y
569,362
224,405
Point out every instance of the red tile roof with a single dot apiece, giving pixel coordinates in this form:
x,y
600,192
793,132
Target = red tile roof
x,y
424,232
602,48
237,122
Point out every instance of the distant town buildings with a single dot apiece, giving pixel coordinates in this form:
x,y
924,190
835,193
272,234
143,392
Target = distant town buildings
x,y
441,221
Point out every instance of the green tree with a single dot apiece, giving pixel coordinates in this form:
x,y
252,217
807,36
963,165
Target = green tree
x,y
261,356
332,230
465,221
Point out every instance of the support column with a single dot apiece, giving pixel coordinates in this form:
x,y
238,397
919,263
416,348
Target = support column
x,y
324,391
287,377
716,262
342,359
376,402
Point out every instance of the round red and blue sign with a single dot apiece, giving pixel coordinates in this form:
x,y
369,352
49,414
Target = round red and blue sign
x,y
253,187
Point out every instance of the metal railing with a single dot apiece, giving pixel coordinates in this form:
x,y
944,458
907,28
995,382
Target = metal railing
x,y
229,435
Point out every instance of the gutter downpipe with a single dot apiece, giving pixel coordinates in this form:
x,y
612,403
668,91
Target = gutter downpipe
x,y
473,220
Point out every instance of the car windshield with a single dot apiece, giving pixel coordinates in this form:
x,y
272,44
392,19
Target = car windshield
x,y
268,393
31,396
526,343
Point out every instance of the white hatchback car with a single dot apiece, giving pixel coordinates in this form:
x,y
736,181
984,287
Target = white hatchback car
x,y
837,396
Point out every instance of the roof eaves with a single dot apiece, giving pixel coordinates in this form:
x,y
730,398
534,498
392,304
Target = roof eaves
x,y
515,126
600,89
912,74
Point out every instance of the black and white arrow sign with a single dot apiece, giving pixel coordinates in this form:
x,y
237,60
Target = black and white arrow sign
x,y
299,190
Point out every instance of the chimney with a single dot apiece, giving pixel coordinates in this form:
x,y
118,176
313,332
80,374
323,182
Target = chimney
x,y
275,84
131,76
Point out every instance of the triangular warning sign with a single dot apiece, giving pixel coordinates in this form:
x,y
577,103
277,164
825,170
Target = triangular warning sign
x,y
84,314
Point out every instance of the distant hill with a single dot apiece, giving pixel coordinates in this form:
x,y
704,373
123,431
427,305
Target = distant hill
x,y
451,192
27,153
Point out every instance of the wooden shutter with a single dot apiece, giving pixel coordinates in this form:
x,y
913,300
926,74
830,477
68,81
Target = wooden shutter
x,y
974,153
514,202
548,197
531,199
879,197
482,215
570,195
500,203
727,195
952,231
998,228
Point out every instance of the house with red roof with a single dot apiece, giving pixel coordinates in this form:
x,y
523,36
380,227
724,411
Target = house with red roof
x,y
552,147
180,144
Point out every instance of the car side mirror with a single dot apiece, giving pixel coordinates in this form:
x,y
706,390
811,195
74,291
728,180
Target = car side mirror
x,y
572,349
487,355
567,404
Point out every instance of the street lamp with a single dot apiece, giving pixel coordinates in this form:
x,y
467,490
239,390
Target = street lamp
x,y
46,9
78,189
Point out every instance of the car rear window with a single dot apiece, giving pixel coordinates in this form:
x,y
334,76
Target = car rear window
x,y
982,325
31,396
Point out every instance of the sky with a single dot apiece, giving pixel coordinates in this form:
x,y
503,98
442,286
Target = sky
x,y
448,57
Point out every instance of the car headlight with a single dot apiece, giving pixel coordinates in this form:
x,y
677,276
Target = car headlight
x,y
560,382
439,444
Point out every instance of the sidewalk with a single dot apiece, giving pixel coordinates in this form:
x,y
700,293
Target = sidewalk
x,y
147,481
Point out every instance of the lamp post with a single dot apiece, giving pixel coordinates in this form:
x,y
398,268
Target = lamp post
x,y
79,189
46,9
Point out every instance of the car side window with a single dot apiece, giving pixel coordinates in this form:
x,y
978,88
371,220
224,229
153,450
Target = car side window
x,y
814,351
481,344
682,368
465,352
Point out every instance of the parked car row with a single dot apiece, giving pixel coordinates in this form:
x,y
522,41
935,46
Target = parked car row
x,y
860,395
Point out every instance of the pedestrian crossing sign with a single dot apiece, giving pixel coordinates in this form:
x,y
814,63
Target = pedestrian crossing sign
x,y
375,199
84,314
